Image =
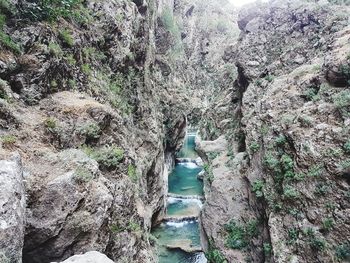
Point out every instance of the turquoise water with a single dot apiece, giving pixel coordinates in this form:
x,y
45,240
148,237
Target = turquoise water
x,y
187,150
183,207
182,182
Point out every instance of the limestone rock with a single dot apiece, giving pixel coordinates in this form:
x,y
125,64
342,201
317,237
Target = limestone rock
x,y
89,257
12,210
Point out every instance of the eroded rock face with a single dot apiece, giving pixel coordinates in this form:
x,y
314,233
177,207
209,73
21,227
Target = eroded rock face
x,y
12,210
89,257
290,114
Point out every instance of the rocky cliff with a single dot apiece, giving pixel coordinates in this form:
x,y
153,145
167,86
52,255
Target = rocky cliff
x,y
81,105
278,187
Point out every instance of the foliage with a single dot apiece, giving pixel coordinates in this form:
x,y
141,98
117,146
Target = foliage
x,y
281,140
321,189
315,171
267,248
6,10
258,187
55,49
327,224
132,173
269,78
214,255
293,235
82,175
311,94
70,60
134,226
8,140
254,147
342,251
347,147
50,123
108,156
316,243
116,228
342,102
91,131
52,10
290,192
67,37
209,172
239,235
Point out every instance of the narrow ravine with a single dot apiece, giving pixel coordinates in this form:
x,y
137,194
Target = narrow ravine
x,y
178,235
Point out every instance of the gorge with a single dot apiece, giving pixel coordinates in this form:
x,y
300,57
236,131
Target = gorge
x,y
98,159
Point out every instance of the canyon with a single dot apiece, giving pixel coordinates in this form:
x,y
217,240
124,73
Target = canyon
x,y
98,100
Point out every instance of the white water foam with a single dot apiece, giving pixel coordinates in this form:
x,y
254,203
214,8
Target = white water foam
x,y
189,165
174,200
180,224
200,258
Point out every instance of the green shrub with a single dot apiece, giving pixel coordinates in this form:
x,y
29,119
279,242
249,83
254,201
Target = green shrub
x,y
345,164
134,226
50,123
132,173
315,171
52,10
290,192
239,235
85,68
108,157
116,228
70,60
311,94
342,102
342,251
254,147
281,140
67,37
55,49
209,172
316,243
8,140
82,175
293,235
258,186
321,189
214,255
269,78
346,147
91,131
327,224
287,162
267,248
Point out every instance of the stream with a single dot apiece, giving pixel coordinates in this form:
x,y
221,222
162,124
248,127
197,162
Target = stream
x,y
178,235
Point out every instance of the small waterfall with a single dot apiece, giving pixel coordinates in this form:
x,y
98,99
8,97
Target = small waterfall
x,y
179,235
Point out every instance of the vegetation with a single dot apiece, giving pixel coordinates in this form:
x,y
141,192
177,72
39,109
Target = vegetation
x,y
67,37
254,147
293,235
7,10
50,123
55,49
327,224
132,173
258,187
209,172
8,140
316,243
52,10
214,255
281,140
82,175
342,102
346,147
269,78
109,156
239,235
91,131
290,192
342,251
